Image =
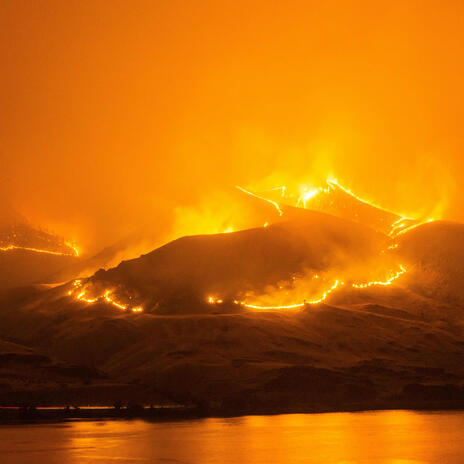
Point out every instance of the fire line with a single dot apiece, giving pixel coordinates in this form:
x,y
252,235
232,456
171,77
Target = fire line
x,y
106,297
337,284
75,251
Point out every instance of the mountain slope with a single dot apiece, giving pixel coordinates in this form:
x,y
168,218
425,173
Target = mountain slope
x,y
371,347
232,264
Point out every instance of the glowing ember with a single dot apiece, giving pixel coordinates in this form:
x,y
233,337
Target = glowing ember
x,y
334,183
275,204
75,251
387,282
73,247
106,297
407,229
398,226
307,195
297,305
323,297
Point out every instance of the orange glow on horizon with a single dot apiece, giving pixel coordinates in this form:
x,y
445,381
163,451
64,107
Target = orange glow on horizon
x,y
185,99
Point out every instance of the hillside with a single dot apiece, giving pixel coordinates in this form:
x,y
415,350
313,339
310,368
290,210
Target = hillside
x,y
233,264
29,255
381,346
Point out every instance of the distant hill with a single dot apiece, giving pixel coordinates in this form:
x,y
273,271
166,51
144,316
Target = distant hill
x,y
361,348
30,255
379,346
235,263
436,250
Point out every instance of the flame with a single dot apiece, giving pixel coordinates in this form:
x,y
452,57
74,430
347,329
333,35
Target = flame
x,y
333,182
297,305
407,229
81,296
107,297
275,204
308,195
387,282
323,297
282,189
75,251
399,226
73,246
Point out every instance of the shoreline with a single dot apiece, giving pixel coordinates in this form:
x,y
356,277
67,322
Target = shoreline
x,y
17,416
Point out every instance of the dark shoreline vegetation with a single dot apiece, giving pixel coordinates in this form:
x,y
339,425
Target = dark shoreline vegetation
x,y
36,415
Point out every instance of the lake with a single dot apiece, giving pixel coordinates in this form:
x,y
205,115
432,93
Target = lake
x,y
381,437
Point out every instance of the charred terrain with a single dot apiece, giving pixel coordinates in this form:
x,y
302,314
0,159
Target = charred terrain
x,y
187,323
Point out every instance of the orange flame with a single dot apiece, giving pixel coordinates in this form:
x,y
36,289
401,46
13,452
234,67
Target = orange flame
x,y
323,297
407,229
399,226
106,297
275,204
75,251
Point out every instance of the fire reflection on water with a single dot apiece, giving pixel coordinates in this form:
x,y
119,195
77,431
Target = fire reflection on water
x,y
381,437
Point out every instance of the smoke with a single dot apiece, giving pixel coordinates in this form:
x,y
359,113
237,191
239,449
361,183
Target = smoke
x,y
120,119
310,286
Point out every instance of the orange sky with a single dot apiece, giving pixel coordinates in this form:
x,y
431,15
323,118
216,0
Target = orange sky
x,y
115,112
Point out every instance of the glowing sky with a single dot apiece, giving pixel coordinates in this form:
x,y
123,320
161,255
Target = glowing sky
x,y
116,112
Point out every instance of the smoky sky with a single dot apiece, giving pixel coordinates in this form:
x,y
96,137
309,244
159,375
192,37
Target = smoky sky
x,y
116,113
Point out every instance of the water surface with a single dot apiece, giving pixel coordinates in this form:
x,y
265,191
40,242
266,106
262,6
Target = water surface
x,y
385,437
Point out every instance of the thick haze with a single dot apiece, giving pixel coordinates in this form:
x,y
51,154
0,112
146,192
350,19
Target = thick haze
x,y
119,114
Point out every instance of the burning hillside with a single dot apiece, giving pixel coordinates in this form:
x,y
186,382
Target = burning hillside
x,y
30,255
335,199
239,314
21,236
303,258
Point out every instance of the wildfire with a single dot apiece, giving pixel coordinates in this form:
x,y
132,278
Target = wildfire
x,y
275,204
323,297
397,227
297,305
387,282
74,252
407,229
73,247
334,183
307,195
106,297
